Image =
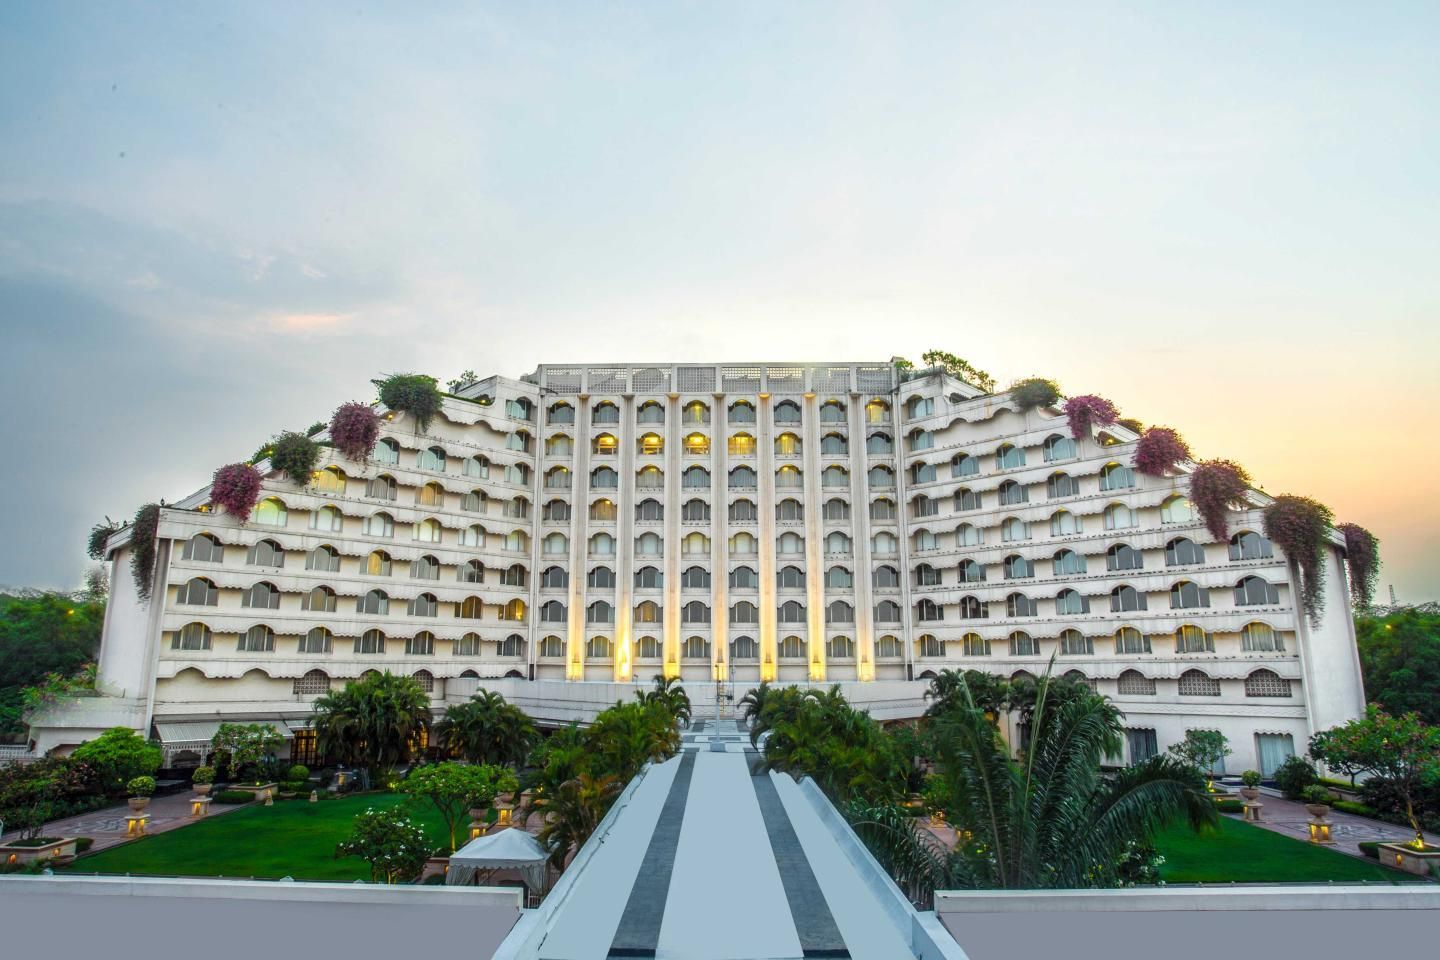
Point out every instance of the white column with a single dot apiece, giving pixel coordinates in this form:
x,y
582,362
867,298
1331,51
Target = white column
x,y
860,530
814,555
674,434
765,494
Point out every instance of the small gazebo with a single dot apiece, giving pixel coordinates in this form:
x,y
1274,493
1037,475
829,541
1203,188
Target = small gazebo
x,y
510,849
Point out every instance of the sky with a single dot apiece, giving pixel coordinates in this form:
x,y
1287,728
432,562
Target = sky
x,y
221,221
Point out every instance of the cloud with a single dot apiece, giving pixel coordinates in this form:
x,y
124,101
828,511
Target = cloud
x,y
309,322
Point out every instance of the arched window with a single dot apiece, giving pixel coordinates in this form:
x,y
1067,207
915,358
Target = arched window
x,y
970,572
833,476
922,472
928,610
1058,447
1008,457
1191,639
467,646
514,575
1182,551
519,441
1176,509
422,645
649,511
552,646
1019,605
792,611
1266,683
603,510
789,509
834,445
1128,640
650,478
605,412
649,578
430,495
889,647
695,545
696,411
968,535
557,478
695,648
604,445
882,478
787,411
923,506
788,476
743,544
424,605
1260,638
648,611
1119,517
555,544
476,501
1073,643
650,412
1063,523
270,512
787,445
1070,603
744,578
600,578
1122,556
650,445
886,577
192,636
880,444
917,407
1248,545
832,411
964,465
839,578
920,439
695,612
1013,529
517,473
560,412
1198,683
838,611
1068,563
840,648
975,645
1126,598
1116,476
199,592
836,509
471,608
742,478
877,411
428,531
329,480
695,478
744,648
378,564
649,649
838,544
1062,485
742,411
1133,683
790,543
387,451
258,639
473,536
1017,567
598,648
553,611
695,578
887,611
604,478
555,510
744,612
559,445
1023,645
318,640
320,599
928,576
1012,493
371,641
741,445
204,548
600,612
266,553
697,444
1256,591
1187,595
431,458
882,508
479,465
790,578
554,578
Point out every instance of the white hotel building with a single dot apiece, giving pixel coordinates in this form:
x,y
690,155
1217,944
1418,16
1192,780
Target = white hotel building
x,y
568,535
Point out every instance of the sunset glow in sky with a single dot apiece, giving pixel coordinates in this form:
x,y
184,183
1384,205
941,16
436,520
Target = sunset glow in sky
x,y
220,222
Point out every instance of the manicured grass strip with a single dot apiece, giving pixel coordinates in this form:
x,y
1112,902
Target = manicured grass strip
x,y
293,838
1240,853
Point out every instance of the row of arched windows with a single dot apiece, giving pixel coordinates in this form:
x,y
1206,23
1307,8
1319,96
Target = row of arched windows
x,y
698,412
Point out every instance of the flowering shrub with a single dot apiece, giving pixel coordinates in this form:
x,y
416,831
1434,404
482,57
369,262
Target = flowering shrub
x,y
295,455
1299,525
412,393
142,548
1362,557
354,428
1034,392
393,844
236,487
1159,450
1216,486
1088,410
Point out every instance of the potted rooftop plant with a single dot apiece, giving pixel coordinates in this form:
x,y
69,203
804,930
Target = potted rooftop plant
x,y
1251,781
140,789
202,779
1317,801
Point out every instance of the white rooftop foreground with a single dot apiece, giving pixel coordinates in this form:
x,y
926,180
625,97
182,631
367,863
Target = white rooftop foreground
x,y
703,859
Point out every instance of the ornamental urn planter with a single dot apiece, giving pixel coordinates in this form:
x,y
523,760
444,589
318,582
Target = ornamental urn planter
x,y
203,789
138,804
1250,793
1318,810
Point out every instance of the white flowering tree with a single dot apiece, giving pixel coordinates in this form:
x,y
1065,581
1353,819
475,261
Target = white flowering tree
x,y
390,841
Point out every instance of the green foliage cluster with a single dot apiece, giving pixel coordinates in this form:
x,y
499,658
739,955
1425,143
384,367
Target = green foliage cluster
x,y
1300,526
48,642
1294,775
390,841
668,692
1251,778
234,797
294,455
142,786
1034,392
33,794
485,729
1229,806
412,393
1202,749
455,788
1362,558
142,548
374,722
117,756
245,745
202,775
1402,751
959,368
1399,659
100,534
1317,794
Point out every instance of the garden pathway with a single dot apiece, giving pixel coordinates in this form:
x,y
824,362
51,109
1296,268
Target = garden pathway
x,y
107,826
1347,829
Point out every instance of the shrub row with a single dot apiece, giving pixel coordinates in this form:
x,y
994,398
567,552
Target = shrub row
x,y
234,796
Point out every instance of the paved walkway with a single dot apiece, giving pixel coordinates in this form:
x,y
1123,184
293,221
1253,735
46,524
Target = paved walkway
x,y
1347,830
107,826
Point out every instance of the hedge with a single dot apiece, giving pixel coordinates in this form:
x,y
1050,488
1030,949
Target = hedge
x,y
234,796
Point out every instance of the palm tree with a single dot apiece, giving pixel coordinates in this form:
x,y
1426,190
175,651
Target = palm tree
x,y
486,729
668,691
374,722
750,706
573,813
1048,819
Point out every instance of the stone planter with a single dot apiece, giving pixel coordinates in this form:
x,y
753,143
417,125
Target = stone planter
x,y
262,791
1401,857
138,804
1250,793
62,848
1318,810
203,789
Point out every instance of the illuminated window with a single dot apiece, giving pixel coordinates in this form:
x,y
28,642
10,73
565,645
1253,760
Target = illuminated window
x,y
697,444
321,599
603,510
378,564
329,480
788,476
604,444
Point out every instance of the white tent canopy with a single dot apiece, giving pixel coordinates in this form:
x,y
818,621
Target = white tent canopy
x,y
509,849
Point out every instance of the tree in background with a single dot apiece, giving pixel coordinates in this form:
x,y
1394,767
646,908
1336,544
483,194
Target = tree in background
x,y
1202,749
454,788
486,729
668,692
1403,751
392,843
41,635
374,722
246,746
820,736
1400,660
116,756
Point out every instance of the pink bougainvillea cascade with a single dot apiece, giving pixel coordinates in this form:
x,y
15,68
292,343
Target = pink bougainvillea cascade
x,y
236,487
354,428
1216,487
1087,411
1299,526
1159,450
1362,557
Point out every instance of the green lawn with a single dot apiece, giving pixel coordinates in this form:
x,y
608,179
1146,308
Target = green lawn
x,y
293,838
1241,853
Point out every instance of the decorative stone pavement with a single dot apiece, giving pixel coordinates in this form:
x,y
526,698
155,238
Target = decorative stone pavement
x,y
1347,830
107,826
